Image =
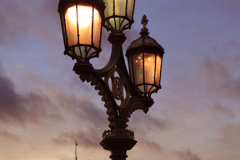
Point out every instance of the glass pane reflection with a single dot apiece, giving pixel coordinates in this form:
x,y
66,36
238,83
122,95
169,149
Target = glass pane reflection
x,y
149,67
138,67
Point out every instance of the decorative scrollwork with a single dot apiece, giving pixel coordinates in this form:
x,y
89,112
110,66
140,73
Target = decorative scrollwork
x,y
118,85
117,88
98,86
118,133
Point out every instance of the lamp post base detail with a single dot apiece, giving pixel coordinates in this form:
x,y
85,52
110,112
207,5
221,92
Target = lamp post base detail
x,y
118,146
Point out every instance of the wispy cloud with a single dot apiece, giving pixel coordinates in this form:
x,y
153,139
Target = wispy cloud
x,y
89,138
219,79
218,108
186,155
16,108
8,136
230,135
24,18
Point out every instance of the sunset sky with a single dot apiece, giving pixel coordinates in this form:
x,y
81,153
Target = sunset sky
x,y
44,106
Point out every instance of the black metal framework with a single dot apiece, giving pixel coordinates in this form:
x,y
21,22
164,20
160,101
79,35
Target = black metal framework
x,y
118,139
119,14
77,45
118,113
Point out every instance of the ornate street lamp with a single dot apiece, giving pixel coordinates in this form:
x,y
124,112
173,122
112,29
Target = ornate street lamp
x,y
118,14
81,26
123,93
145,62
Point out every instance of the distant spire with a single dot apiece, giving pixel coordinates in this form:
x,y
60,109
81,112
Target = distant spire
x,y
76,149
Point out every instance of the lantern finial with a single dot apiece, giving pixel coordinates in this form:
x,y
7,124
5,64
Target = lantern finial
x,y
144,22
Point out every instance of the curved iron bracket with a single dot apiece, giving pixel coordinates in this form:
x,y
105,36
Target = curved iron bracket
x,y
133,100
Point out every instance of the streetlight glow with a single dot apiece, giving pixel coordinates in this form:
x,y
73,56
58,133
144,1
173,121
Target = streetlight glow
x,y
84,14
82,27
146,75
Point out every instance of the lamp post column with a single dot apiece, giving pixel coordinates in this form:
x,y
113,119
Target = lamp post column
x,y
118,140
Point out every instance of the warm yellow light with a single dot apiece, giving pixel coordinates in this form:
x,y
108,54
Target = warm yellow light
x,y
136,61
71,14
83,25
149,68
84,15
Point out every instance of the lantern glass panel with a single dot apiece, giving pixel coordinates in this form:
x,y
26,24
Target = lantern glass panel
x,y
118,14
64,31
158,69
149,89
97,29
109,9
70,53
131,69
120,7
137,61
116,23
141,88
130,7
84,26
149,68
82,52
71,23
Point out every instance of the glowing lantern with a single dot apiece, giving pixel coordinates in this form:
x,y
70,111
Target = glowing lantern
x,y
82,27
145,62
119,14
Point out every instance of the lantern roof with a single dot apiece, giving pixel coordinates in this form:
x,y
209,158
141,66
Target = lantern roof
x,y
145,40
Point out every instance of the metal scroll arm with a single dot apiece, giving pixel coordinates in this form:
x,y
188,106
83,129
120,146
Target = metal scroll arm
x,y
118,114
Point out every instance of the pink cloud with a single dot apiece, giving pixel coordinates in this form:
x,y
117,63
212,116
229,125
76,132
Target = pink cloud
x,y
219,79
217,108
8,136
230,135
186,155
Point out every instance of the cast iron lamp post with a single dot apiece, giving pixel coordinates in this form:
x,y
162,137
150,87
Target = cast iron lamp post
x,y
122,92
